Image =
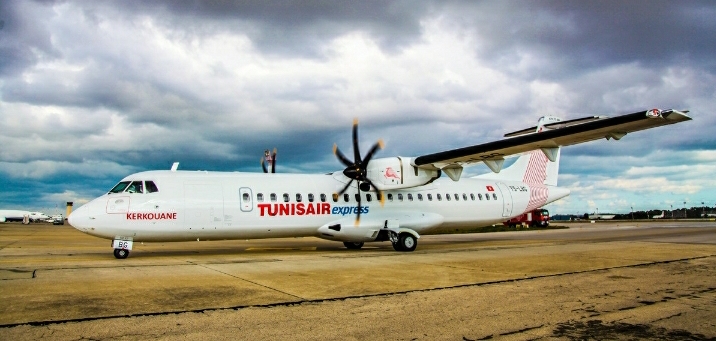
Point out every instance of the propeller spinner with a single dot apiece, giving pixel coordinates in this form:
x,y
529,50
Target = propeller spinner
x,y
356,170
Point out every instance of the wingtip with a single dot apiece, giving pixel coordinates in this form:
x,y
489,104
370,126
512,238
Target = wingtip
x,y
381,144
355,121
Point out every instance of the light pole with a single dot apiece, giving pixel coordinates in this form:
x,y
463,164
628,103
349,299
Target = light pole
x,y
684,209
672,211
632,212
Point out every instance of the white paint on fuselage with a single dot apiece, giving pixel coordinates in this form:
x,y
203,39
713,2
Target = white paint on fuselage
x,y
204,205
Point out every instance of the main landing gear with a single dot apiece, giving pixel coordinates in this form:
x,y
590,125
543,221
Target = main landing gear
x,y
405,242
353,245
121,253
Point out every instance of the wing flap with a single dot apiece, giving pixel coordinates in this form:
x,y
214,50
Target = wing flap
x,y
583,130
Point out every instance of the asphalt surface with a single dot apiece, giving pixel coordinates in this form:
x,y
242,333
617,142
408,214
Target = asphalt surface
x,y
626,280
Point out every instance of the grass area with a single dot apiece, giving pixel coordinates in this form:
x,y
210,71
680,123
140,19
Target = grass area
x,y
500,228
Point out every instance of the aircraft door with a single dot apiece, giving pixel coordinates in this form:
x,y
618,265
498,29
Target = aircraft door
x,y
247,204
506,199
118,205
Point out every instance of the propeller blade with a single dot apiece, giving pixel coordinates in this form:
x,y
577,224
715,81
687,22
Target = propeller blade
x,y
341,157
263,165
378,192
376,146
356,151
358,196
273,162
346,187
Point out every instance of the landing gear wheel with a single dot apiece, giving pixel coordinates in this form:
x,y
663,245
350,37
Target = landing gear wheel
x,y
353,245
406,242
121,253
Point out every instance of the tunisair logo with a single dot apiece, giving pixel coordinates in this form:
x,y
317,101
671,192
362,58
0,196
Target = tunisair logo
x,y
300,208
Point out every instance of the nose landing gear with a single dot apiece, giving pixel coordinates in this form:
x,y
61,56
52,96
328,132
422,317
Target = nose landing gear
x,y
121,253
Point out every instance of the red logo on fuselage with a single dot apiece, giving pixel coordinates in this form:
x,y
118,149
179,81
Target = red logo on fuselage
x,y
294,209
490,188
152,216
391,173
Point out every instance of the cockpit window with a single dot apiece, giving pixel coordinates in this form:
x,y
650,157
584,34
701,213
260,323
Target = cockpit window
x,y
151,187
135,187
119,188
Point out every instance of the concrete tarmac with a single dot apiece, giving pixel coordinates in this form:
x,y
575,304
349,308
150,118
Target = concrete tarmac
x,y
641,280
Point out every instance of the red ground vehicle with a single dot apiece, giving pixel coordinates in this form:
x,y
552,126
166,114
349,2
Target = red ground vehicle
x,y
538,217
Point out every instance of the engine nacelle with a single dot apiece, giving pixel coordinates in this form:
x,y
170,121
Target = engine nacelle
x,y
398,172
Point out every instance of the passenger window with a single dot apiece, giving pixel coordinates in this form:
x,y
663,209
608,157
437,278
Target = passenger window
x,y
119,187
286,198
464,196
368,197
390,196
151,187
260,197
472,196
298,197
335,197
487,196
440,198
447,197
273,197
246,197
400,196
420,197
379,196
135,187
457,197
410,196
323,197
494,196
346,197
430,197
357,195
310,197
479,196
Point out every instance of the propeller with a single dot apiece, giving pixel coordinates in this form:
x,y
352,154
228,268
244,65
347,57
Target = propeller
x,y
270,158
356,170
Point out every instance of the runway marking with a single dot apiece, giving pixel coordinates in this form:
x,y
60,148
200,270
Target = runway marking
x,y
302,299
343,298
309,248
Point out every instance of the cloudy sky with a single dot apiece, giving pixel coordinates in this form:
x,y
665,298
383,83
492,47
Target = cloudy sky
x,y
92,91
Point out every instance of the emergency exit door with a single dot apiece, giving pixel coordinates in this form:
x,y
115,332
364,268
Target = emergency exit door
x,y
246,197
506,199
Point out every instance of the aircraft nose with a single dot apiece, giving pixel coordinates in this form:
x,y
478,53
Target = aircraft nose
x,y
79,219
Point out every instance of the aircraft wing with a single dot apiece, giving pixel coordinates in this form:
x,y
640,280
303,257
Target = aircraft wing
x,y
565,134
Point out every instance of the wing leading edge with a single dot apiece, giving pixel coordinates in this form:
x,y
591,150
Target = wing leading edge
x,y
493,153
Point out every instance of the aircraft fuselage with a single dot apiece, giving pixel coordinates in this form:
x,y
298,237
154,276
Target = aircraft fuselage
x,y
191,205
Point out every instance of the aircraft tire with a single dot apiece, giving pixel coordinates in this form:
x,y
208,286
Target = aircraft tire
x,y
121,253
353,245
406,242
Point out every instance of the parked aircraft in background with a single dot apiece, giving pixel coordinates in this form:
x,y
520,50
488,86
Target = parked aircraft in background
x,y
658,216
18,215
392,199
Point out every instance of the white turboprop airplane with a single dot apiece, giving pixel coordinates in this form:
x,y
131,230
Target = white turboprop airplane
x,y
18,215
388,199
